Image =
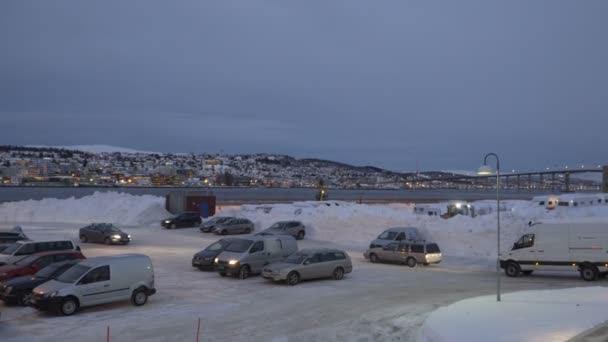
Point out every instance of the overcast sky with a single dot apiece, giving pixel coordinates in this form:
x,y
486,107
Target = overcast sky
x,y
397,84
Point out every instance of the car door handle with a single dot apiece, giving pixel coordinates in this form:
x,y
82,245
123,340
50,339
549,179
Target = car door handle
x,y
540,251
106,285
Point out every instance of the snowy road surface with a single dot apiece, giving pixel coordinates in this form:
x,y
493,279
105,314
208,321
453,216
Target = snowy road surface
x,y
377,302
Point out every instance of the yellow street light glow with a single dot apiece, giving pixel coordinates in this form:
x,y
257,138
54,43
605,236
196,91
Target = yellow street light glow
x,y
485,170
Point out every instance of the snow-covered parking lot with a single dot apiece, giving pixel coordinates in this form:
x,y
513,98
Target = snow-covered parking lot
x,y
375,302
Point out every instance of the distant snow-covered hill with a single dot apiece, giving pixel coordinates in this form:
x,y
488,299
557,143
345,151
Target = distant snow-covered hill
x,y
97,148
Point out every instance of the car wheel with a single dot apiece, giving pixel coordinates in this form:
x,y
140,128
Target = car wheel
x,y
223,274
84,239
589,273
174,226
338,273
373,258
528,272
300,235
248,230
512,269
139,297
243,272
224,232
69,306
25,299
411,262
107,241
293,278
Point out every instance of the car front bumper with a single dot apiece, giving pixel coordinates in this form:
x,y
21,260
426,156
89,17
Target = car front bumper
x,y
274,276
46,304
203,264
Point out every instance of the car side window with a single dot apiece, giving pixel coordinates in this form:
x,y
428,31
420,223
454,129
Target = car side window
x,y
524,242
44,261
400,237
327,257
391,246
97,275
339,256
314,259
257,247
26,249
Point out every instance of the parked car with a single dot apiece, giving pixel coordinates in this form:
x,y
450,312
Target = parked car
x,y
183,220
410,253
96,281
103,233
310,264
31,264
209,226
12,235
203,260
235,226
19,290
293,228
249,255
395,234
20,249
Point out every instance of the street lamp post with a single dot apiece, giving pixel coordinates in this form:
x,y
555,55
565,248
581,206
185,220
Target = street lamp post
x,y
487,170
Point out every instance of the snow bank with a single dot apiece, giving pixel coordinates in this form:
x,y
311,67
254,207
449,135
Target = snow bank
x,y
112,207
546,315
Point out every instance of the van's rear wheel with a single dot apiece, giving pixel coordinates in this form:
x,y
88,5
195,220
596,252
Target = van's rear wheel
x,y
373,258
411,262
69,306
589,273
139,297
512,269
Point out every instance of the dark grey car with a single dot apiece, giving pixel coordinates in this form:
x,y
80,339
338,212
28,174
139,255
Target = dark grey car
x,y
104,233
235,226
204,260
293,228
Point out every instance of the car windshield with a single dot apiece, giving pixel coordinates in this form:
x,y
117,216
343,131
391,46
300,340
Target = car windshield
x,y
296,258
239,246
216,246
73,274
112,229
48,271
26,261
388,236
11,249
277,225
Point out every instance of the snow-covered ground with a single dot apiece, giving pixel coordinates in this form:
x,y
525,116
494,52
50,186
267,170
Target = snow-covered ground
x,y
536,316
375,302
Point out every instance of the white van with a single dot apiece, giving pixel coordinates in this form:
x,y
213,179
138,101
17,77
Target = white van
x,y
580,245
249,255
428,209
20,249
98,281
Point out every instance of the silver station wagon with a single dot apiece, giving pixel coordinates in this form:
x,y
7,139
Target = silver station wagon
x,y
410,253
310,264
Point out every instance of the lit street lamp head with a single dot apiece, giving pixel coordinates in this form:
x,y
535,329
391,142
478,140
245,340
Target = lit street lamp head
x,y
485,170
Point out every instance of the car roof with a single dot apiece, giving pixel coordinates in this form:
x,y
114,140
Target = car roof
x,y
64,251
36,241
319,250
102,260
400,229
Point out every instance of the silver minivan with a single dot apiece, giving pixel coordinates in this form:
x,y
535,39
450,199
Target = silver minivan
x,y
395,234
98,281
249,255
20,249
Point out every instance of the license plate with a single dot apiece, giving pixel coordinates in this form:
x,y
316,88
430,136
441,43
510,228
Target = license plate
x,y
197,262
221,268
